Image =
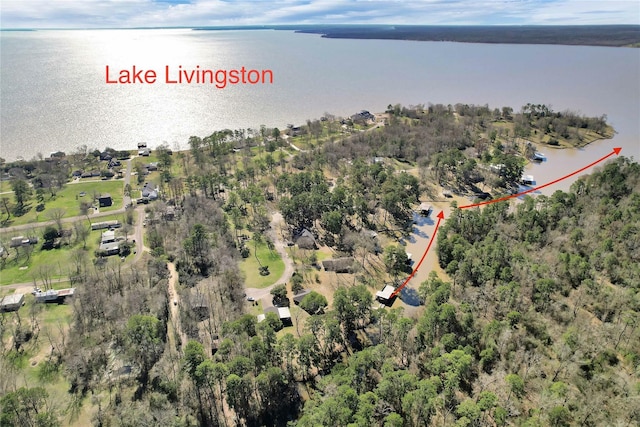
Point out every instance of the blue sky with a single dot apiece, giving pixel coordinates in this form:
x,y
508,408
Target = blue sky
x,y
151,13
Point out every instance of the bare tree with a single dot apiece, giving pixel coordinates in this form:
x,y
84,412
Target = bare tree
x,y
56,214
81,231
6,207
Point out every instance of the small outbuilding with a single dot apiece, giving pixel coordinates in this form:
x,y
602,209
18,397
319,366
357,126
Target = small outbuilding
x,y
385,295
12,302
425,209
283,313
105,200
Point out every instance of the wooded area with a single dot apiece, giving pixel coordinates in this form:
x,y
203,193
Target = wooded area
x,y
533,320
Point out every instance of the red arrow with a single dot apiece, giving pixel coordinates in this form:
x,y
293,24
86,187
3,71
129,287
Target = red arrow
x,y
415,270
615,151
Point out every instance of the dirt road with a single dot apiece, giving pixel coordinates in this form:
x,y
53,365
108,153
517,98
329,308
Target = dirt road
x,y
173,324
275,234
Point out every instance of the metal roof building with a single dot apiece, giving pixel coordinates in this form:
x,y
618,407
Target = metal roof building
x,y
12,302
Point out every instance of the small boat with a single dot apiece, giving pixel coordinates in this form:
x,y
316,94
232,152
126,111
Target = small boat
x,y
528,180
538,157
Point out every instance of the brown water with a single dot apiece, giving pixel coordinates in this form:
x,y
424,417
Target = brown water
x,y
54,96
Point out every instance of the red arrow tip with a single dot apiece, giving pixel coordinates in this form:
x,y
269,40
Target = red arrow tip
x,y
617,150
441,215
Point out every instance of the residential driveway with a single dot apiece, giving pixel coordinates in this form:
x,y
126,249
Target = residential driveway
x,y
276,226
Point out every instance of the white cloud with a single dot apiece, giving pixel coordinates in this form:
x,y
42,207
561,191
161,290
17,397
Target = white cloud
x,y
128,13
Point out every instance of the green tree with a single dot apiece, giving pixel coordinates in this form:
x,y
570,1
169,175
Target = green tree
x,y
239,395
50,235
26,407
276,134
396,260
144,342
393,420
314,303
559,416
332,221
279,293
516,384
21,193
193,357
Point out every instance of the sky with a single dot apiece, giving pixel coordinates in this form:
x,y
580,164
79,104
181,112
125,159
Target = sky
x,y
161,13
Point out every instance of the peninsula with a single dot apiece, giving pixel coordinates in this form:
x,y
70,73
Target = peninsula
x,y
329,273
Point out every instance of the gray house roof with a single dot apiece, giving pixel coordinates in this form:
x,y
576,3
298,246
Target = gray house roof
x,y
297,298
305,240
150,191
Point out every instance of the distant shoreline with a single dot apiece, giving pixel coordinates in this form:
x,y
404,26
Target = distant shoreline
x,y
568,35
588,35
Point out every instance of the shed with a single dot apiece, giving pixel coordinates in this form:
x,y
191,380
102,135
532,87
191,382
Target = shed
x,y
305,240
425,209
12,302
283,313
339,265
105,200
385,295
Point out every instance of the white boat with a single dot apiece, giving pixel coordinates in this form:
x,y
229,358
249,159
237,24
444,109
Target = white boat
x,y
538,157
528,180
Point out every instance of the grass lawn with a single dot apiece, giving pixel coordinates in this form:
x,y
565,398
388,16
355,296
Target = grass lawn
x,y
5,187
58,261
69,200
55,260
51,317
269,258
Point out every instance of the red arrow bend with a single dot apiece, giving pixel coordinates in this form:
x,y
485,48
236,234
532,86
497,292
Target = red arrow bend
x,y
615,151
415,270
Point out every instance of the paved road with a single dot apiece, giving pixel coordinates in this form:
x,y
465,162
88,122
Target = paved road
x,y
126,201
138,232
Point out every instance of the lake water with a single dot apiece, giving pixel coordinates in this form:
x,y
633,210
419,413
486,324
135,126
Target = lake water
x,y
54,95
